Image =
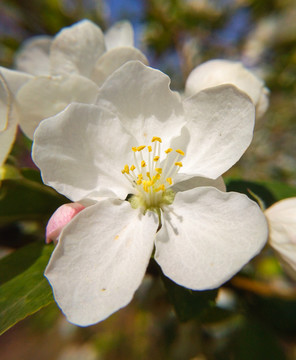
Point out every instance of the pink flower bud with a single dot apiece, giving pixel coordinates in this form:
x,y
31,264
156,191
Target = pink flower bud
x,y
60,219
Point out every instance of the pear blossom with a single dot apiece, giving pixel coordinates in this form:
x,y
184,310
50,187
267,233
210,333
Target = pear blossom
x,y
157,162
217,72
10,83
281,218
66,68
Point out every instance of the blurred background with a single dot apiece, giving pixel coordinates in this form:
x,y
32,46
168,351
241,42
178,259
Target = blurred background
x,y
252,321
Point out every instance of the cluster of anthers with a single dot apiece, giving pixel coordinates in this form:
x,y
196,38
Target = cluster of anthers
x,y
151,181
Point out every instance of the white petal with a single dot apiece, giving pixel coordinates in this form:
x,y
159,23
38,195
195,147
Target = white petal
x,y
282,232
43,97
112,60
143,101
219,130
100,261
14,79
5,103
33,56
76,49
197,182
208,237
10,82
120,34
7,138
81,152
218,72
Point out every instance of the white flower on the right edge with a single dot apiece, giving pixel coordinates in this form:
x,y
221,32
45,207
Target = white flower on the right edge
x,y
281,218
157,161
218,72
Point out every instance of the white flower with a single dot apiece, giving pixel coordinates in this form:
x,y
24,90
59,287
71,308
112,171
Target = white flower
x,y
281,218
10,83
218,72
69,67
141,143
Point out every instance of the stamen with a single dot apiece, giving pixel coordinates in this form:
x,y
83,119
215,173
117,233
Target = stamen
x,y
169,180
180,152
151,177
160,188
140,177
156,138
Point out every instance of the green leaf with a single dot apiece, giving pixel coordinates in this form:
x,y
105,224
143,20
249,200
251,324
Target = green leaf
x,y
278,314
9,172
280,190
189,304
24,290
269,192
256,341
19,261
31,174
23,199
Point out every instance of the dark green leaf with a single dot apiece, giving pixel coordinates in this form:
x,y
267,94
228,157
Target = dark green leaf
x,y
25,199
257,342
278,314
188,304
19,261
269,192
27,292
31,174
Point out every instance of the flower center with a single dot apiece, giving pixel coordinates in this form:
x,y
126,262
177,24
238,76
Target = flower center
x,y
151,175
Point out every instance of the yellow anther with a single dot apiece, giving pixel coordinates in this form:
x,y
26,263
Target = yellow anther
x,y
160,188
149,148
168,150
123,171
140,178
140,148
143,164
156,158
145,185
158,170
134,148
155,178
156,138
132,168
169,180
180,152
148,174
178,163
126,169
